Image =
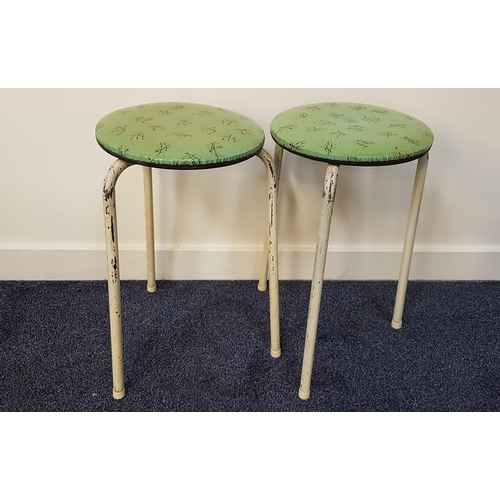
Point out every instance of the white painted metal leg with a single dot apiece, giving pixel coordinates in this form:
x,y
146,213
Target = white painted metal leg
x,y
150,231
115,317
416,199
273,253
278,158
317,278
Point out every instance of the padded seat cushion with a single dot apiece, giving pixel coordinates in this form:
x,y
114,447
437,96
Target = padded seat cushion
x,y
351,134
179,135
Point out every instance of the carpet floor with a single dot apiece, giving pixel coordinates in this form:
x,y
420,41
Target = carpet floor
x,y
203,346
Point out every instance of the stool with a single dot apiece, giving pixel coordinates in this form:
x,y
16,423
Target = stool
x,y
181,136
358,135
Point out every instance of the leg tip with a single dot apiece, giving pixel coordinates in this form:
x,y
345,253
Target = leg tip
x,y
262,287
304,394
151,288
119,394
396,325
276,353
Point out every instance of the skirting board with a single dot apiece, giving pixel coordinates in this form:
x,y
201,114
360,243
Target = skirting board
x,y
243,263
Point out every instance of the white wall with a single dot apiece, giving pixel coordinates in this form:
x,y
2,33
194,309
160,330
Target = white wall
x,y
210,224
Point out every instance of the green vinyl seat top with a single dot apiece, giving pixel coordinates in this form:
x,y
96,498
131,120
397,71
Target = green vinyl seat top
x,y
179,135
344,133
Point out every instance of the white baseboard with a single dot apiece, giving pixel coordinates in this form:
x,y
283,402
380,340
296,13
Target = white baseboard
x,y
243,263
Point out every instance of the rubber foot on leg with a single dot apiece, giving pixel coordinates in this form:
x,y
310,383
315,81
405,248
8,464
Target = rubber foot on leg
x,y
119,394
304,394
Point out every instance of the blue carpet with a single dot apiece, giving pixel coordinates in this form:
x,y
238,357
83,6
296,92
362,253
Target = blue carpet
x,y
204,346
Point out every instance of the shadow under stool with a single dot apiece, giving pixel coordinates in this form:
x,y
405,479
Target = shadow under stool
x,y
351,134
181,136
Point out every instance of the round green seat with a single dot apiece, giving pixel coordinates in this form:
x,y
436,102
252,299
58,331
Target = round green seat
x,y
179,135
351,134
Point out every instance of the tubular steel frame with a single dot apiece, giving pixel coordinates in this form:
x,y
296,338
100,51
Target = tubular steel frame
x,y
113,267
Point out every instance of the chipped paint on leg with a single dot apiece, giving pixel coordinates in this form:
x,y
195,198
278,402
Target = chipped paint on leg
x,y
329,190
113,271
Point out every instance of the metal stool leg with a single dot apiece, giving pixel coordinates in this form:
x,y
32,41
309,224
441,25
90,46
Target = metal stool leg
x,y
115,315
150,231
317,278
278,158
272,180
416,199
